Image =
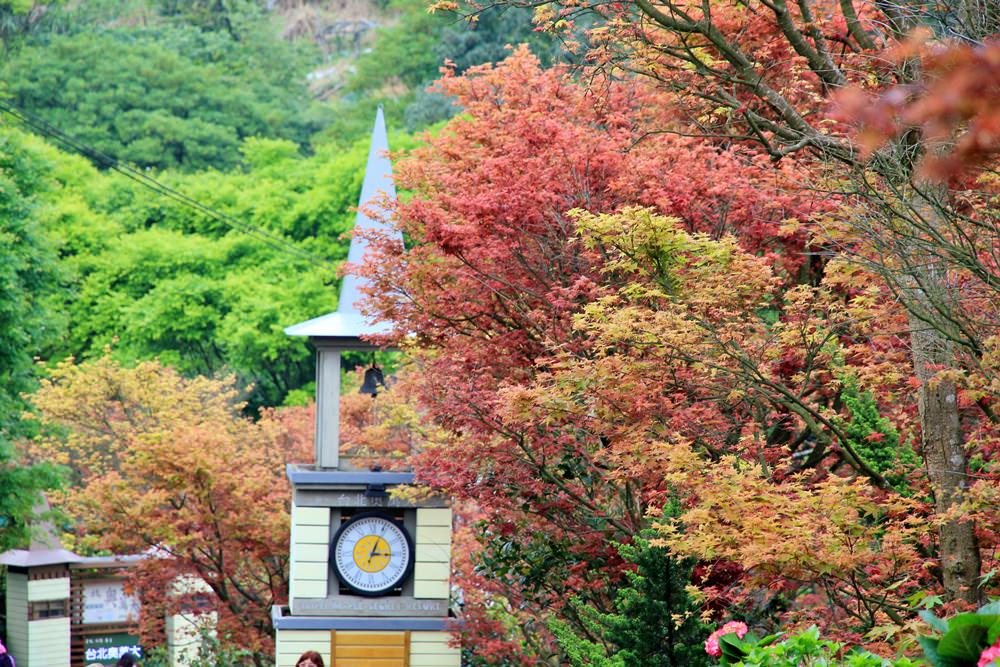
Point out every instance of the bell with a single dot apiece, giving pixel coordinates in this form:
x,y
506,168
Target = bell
x,y
373,378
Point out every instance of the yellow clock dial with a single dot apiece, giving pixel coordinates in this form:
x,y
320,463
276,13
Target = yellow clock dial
x,y
372,553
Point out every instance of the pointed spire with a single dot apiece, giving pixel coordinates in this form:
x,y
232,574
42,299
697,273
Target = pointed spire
x,y
347,322
378,182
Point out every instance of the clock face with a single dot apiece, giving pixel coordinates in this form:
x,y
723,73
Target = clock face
x,y
371,554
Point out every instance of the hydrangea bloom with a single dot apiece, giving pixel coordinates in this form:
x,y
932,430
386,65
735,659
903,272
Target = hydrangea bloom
x,y
990,657
712,643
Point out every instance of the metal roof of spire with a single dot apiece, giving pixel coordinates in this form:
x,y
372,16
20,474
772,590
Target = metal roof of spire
x,y
347,322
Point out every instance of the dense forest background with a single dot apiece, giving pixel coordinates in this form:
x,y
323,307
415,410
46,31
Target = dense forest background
x,y
259,111
177,177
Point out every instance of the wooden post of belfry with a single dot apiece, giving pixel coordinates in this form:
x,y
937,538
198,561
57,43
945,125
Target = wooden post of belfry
x,y
370,573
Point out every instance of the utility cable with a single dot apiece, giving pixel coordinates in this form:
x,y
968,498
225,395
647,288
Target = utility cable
x,y
103,160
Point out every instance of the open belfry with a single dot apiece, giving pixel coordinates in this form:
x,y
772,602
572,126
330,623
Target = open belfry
x,y
370,573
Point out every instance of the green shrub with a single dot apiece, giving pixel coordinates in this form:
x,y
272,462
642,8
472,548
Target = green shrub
x,y
805,649
962,638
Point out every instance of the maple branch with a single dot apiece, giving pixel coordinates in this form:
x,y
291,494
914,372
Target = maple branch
x,y
818,58
544,472
900,22
854,25
813,418
744,67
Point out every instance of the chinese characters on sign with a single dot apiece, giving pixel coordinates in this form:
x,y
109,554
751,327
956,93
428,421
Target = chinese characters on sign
x,y
106,649
106,602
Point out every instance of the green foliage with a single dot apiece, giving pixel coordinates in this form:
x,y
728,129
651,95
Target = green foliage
x,y
28,276
404,53
488,39
407,57
162,97
805,649
307,199
20,492
17,6
401,61
186,86
874,437
962,638
220,15
352,115
200,305
17,19
654,623
152,278
211,653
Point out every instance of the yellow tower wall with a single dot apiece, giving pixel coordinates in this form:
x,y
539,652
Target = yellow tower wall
x,y
432,568
310,542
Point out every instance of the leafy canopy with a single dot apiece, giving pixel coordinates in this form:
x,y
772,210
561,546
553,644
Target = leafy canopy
x,y
171,464
166,98
28,275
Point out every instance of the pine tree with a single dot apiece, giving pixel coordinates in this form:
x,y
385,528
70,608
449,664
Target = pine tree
x,y
654,624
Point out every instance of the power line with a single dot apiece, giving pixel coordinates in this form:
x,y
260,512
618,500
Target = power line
x,y
101,159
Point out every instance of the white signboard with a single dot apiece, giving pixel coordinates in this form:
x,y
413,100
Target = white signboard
x,y
106,602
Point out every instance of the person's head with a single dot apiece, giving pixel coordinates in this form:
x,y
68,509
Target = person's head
x,y
127,660
310,659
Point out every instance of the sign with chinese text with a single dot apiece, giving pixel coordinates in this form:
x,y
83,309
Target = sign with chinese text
x,y
106,602
107,649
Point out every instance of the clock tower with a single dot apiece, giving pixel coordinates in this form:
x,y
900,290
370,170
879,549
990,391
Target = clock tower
x,y
370,573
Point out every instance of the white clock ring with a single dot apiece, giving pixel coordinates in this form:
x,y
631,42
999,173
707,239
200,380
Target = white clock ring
x,y
372,554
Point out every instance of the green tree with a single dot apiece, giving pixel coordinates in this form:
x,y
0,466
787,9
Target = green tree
x,y
874,437
18,18
27,275
407,56
153,278
201,305
654,622
161,98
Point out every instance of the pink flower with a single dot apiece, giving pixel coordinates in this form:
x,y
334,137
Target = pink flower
x,y
990,656
712,643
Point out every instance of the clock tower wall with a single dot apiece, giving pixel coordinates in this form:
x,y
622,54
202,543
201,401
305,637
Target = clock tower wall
x,y
317,514
310,546
432,570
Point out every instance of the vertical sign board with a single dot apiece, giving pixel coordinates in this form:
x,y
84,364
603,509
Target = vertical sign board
x,y
106,603
107,649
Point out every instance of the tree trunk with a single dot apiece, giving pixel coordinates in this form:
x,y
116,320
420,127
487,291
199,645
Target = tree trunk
x,y
944,457
941,431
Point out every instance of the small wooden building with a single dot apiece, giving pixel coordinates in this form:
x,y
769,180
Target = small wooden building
x,y
66,610
38,606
